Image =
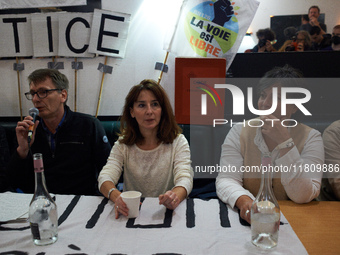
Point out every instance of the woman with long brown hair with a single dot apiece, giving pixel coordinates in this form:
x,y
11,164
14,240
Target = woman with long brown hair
x,y
152,151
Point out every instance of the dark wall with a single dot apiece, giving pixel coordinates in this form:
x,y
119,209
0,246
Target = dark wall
x,y
312,64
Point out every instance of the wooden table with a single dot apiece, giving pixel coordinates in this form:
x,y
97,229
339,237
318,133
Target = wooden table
x,y
317,224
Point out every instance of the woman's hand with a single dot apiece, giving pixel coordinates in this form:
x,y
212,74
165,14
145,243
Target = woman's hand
x,y
273,129
120,207
244,204
170,200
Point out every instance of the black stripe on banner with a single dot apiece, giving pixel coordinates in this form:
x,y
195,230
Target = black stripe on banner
x,y
190,213
68,210
16,229
166,223
224,217
92,222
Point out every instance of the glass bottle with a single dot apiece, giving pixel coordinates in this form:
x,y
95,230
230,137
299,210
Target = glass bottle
x,y
43,216
265,211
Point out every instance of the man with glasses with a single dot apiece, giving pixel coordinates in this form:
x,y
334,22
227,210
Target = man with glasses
x,y
313,16
74,145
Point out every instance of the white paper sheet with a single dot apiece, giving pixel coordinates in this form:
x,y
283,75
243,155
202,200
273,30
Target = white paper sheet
x,y
14,206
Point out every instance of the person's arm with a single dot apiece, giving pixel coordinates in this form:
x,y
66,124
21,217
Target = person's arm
x,y
22,135
314,22
114,167
113,194
244,203
301,184
229,184
172,198
109,177
331,138
183,175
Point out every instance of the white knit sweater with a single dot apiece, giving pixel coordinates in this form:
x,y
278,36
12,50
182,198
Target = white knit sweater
x,y
152,172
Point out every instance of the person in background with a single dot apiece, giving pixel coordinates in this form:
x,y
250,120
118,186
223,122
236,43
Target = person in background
x,y
302,42
319,41
266,39
304,20
313,15
290,35
335,40
4,158
151,149
304,23
294,146
74,145
331,182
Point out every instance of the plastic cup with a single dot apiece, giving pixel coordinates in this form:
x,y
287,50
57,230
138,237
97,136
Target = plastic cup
x,y
132,201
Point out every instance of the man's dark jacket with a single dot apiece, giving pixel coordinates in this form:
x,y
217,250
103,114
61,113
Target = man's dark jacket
x,y
81,150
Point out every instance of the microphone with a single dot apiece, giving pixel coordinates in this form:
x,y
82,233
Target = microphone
x,y
34,112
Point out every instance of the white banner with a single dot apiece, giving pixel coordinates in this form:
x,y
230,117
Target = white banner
x,y
109,33
87,225
211,28
74,34
16,4
45,34
66,34
16,35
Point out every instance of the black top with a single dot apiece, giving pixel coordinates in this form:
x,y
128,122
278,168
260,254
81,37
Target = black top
x,y
307,27
81,150
4,158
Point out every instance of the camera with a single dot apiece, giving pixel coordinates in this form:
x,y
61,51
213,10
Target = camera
x,y
293,46
265,35
262,43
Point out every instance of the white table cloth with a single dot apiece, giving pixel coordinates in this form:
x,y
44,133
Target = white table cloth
x,y
87,225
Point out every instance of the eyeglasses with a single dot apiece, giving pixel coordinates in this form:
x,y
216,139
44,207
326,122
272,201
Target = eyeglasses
x,y
41,93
